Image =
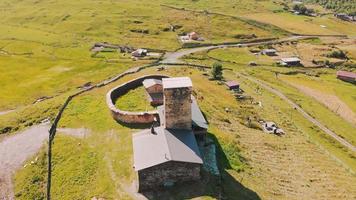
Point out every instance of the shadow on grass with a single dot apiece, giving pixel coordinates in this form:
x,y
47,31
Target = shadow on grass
x,y
135,125
224,186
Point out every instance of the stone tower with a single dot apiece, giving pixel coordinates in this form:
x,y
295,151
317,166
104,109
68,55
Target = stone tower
x,y
177,103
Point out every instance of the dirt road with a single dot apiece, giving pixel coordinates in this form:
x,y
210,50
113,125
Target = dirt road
x,y
14,151
172,58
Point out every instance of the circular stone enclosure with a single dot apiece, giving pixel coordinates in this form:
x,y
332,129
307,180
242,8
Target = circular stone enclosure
x,y
126,116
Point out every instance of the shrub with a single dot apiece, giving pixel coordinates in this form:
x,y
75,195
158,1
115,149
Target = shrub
x,y
337,54
216,71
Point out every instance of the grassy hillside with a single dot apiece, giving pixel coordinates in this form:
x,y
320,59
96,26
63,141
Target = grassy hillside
x,y
44,46
44,51
104,158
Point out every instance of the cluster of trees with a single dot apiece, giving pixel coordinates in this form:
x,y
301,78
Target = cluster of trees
x,y
302,9
340,6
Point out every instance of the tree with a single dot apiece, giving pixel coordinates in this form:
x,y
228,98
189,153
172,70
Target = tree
x,y
300,8
216,71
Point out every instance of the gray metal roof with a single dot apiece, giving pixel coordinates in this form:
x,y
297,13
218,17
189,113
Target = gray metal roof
x,y
166,145
151,82
269,50
198,118
292,59
178,82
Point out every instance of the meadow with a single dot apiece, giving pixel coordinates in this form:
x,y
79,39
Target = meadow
x,y
104,159
45,52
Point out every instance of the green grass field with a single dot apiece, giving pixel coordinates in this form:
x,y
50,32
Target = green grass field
x,y
45,51
134,100
104,158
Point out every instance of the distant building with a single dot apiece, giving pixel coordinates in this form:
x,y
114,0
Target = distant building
x,y
139,53
169,154
346,76
345,17
193,36
233,85
269,52
293,61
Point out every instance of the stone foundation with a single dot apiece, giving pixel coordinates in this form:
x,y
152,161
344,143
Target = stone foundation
x,y
167,174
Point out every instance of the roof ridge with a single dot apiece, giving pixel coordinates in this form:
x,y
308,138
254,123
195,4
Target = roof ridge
x,y
167,145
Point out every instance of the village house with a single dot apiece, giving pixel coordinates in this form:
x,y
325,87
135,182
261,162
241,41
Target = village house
x,y
154,90
193,36
346,76
232,85
139,53
169,154
293,61
345,17
269,52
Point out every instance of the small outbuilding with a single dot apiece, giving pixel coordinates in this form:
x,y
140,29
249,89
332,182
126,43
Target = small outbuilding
x,y
154,91
193,36
346,76
153,85
232,85
269,52
139,53
292,61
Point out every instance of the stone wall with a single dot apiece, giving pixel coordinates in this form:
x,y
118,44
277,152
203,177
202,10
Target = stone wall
x,y
171,172
125,116
158,88
178,108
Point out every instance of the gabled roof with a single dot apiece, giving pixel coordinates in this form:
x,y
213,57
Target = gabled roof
x,y
179,82
232,84
151,82
269,50
164,146
292,59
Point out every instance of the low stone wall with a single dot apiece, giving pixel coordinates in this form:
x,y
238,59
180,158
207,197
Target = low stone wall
x,y
126,116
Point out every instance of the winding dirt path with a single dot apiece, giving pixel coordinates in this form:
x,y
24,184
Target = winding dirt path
x,y
14,151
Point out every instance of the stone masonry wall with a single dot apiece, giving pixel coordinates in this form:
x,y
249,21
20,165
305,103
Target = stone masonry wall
x,y
170,172
178,111
155,89
125,116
